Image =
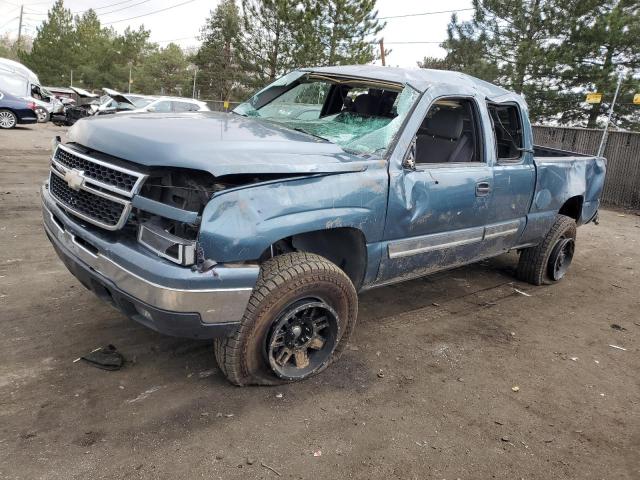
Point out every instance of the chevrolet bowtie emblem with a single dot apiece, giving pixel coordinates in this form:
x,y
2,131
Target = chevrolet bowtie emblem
x,y
74,179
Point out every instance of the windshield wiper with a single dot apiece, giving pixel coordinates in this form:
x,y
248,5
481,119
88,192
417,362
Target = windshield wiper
x,y
298,129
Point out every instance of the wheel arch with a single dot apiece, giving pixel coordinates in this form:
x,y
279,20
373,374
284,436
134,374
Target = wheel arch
x,y
346,247
572,207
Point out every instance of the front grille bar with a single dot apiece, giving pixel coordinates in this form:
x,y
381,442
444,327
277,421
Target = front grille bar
x,y
126,206
86,180
140,177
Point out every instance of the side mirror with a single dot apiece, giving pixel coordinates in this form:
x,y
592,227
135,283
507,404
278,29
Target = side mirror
x,y
151,109
409,161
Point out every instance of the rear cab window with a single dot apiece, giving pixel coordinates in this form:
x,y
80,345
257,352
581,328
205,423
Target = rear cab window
x,y
507,131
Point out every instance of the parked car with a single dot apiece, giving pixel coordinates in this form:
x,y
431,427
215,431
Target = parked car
x,y
168,105
15,110
18,80
257,228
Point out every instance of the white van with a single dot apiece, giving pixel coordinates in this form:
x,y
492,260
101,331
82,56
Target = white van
x,y
18,80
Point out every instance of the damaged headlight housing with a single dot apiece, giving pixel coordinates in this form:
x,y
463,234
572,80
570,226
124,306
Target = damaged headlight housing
x,y
176,249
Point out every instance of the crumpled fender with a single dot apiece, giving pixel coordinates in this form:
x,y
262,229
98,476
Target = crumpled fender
x,y
239,224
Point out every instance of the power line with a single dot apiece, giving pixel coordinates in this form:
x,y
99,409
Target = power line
x,y
98,8
150,13
7,23
125,7
425,13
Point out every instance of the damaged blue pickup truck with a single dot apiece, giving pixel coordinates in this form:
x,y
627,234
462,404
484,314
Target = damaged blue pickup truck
x,y
257,228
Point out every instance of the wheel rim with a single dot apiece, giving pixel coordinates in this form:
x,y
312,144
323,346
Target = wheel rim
x,y
42,114
7,120
302,339
561,257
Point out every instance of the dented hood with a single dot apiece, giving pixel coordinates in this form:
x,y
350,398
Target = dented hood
x,y
220,143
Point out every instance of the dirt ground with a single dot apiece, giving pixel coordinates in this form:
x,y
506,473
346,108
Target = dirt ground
x,y
423,392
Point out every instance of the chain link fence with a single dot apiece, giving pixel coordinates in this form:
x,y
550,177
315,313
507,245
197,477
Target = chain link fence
x,y
622,151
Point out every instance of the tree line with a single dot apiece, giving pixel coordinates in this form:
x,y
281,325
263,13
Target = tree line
x,y
553,52
244,45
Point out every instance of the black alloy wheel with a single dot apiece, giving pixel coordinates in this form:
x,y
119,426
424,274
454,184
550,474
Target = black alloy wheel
x,y
302,339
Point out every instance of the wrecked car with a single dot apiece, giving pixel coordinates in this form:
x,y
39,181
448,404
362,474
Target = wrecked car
x,y
90,104
258,228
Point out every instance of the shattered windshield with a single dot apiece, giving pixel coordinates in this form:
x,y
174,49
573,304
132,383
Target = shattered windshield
x,y
358,116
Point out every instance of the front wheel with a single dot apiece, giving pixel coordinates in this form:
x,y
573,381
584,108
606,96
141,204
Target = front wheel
x,y
299,317
549,261
42,114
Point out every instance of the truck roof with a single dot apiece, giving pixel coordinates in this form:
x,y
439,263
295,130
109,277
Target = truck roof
x,y
419,78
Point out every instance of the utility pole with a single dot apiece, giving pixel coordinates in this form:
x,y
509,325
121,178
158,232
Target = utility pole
x,y
195,74
382,52
71,78
603,141
20,26
129,77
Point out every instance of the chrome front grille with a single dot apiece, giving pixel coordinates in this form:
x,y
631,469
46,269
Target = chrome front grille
x,y
93,190
112,177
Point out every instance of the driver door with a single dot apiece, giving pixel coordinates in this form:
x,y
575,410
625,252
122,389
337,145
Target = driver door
x,y
439,197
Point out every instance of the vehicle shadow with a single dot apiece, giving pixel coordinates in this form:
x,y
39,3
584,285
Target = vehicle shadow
x,y
175,355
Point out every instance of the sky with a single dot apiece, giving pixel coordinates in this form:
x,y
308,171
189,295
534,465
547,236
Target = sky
x,y
182,23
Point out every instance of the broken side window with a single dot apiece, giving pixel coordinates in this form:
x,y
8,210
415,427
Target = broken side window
x,y
507,131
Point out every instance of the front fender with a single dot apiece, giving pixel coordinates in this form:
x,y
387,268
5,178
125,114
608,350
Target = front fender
x,y
239,224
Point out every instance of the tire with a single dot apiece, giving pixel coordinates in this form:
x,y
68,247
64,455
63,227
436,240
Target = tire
x,y
538,265
8,119
291,288
42,114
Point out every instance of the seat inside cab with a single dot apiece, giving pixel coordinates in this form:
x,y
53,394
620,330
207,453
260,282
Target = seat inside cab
x,y
449,133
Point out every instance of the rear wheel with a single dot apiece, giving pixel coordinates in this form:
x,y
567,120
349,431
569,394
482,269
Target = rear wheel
x,y
549,261
8,119
300,316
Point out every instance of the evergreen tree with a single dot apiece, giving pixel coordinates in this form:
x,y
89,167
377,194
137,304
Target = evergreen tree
x,y
600,42
52,52
93,57
269,43
467,51
346,31
164,72
552,52
219,75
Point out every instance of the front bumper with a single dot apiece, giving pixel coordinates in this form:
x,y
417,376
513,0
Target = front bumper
x,y
211,305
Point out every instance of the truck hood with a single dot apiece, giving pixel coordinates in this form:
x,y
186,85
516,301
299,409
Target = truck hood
x,y
219,143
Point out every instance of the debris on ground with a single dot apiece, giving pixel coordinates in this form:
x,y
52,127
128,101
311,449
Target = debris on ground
x,y
105,358
574,359
521,292
317,453
206,373
251,460
620,328
279,395
515,388
505,439
270,468
618,347
144,394
380,374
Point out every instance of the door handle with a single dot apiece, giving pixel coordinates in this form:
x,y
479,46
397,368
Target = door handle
x,y
483,189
